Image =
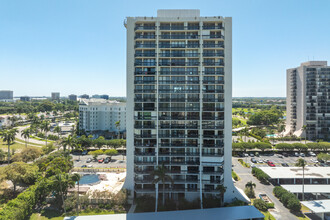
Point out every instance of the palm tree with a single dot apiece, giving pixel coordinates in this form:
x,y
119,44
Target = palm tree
x,y
45,126
304,128
222,189
161,176
26,134
250,185
117,124
57,130
76,177
9,137
69,141
302,163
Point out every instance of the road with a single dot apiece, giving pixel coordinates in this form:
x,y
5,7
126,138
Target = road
x,y
31,140
280,212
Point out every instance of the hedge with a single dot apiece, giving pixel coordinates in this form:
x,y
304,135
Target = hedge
x,y
260,175
288,199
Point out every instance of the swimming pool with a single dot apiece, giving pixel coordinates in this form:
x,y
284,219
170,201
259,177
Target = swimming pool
x,y
89,179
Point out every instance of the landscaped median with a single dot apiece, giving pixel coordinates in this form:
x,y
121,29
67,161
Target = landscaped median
x,y
260,175
235,176
243,163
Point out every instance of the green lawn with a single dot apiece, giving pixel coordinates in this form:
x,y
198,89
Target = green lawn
x,y
47,214
16,146
23,141
268,216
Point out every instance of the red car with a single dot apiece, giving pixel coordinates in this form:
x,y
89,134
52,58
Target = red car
x,y
101,160
270,164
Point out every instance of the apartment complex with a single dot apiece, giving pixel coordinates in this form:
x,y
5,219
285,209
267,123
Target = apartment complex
x,y
179,93
308,100
55,96
72,97
6,96
101,115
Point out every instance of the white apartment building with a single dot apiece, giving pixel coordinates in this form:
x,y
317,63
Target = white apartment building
x,y
101,115
179,98
308,100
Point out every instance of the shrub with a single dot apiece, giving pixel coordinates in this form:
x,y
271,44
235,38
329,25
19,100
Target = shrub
x,y
47,149
41,135
243,163
52,137
234,176
288,199
270,205
249,192
260,175
260,205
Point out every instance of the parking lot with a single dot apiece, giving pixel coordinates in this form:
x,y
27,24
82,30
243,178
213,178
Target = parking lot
x,y
116,161
277,160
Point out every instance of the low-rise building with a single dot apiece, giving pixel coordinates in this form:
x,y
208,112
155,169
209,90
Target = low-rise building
x,y
84,96
25,98
4,122
101,115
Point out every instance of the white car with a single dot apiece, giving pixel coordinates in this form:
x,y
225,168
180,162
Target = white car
x,y
260,161
311,154
90,166
302,154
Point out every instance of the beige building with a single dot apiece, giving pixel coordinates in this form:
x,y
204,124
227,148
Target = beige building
x,y
179,94
308,100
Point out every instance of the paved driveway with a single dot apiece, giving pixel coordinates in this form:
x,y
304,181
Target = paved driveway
x,y
280,212
116,161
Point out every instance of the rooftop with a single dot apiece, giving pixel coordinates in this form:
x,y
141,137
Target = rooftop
x,y
296,172
178,13
318,206
96,101
315,63
314,188
228,213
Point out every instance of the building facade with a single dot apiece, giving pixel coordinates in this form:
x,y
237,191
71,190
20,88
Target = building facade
x,y
308,100
55,96
72,97
84,96
179,96
101,115
25,98
6,96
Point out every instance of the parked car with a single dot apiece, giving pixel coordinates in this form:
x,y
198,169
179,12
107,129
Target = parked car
x,y
302,154
296,154
271,164
284,164
107,160
279,156
314,160
253,165
260,161
257,154
84,152
253,160
83,166
89,160
285,154
311,154
101,160
89,166
251,155
266,160
246,155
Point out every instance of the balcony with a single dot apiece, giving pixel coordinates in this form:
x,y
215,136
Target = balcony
x,y
213,82
145,28
217,36
144,126
179,28
214,63
212,27
178,72
179,36
208,45
178,45
151,118
145,100
145,37
145,109
145,136
144,73
178,63
145,54
145,64
145,46
144,90
213,54
179,54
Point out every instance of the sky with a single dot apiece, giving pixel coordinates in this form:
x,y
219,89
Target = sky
x,y
79,46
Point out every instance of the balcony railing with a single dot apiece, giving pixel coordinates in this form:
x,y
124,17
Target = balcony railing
x,y
178,72
212,27
179,36
178,63
145,45
205,45
145,28
213,72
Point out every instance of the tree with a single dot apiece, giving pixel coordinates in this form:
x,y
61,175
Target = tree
x,y
76,177
95,153
2,155
302,163
70,141
20,172
111,152
117,124
9,137
249,189
45,126
222,189
57,130
160,176
100,141
27,154
26,134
